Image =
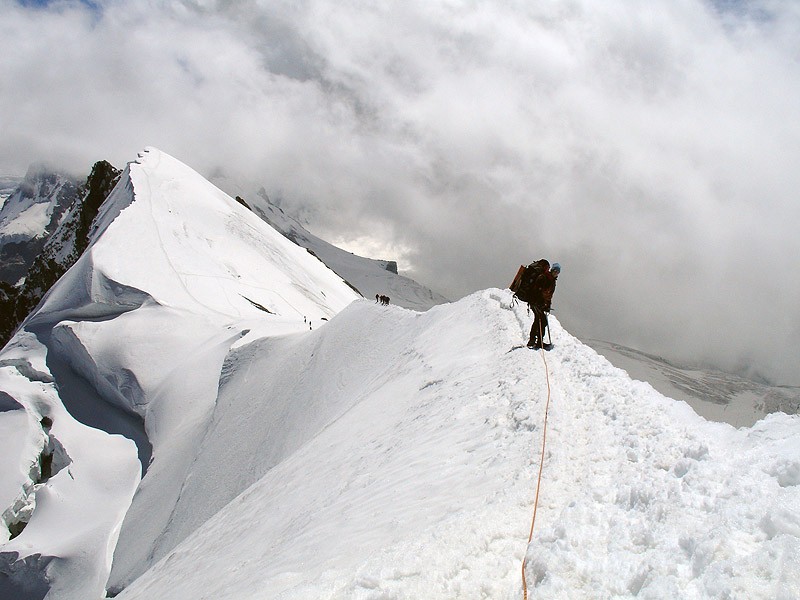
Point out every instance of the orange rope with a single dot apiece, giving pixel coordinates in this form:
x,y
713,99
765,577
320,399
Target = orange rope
x,y
541,463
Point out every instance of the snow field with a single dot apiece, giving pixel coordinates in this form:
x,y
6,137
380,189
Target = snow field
x,y
421,481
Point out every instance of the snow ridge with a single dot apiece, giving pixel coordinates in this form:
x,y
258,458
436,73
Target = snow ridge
x,y
411,473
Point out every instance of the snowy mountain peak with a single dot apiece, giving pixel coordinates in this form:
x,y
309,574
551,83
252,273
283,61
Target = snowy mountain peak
x,y
171,235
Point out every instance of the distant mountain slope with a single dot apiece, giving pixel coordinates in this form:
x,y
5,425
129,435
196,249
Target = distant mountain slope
x,y
29,215
371,277
7,186
714,394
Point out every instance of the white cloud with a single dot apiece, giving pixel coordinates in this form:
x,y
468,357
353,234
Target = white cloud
x,y
651,148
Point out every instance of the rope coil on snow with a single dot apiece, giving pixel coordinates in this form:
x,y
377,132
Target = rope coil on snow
x,y
541,463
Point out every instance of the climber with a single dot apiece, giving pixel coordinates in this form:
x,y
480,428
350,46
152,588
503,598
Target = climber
x,y
541,298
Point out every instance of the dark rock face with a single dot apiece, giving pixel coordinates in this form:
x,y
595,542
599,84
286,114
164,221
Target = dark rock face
x,y
58,252
8,303
17,257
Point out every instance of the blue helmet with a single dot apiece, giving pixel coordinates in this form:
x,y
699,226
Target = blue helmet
x,y
556,267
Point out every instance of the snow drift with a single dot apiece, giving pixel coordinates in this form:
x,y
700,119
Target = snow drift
x,y
227,419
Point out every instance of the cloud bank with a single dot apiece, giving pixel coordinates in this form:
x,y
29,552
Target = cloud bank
x,y
651,148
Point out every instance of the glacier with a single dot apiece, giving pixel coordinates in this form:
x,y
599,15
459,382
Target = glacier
x,y
225,417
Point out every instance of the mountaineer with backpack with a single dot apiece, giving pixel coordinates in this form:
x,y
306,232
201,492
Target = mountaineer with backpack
x,y
542,297
535,285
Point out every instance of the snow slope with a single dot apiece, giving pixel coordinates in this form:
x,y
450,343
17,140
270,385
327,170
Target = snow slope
x,y
399,453
7,186
371,277
124,356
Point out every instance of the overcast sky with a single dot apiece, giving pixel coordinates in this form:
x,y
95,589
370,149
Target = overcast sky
x,y
652,148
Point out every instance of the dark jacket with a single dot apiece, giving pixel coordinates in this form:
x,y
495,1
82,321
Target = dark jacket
x,y
543,290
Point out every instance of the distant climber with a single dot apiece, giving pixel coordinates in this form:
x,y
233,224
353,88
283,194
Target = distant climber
x,y
541,298
382,299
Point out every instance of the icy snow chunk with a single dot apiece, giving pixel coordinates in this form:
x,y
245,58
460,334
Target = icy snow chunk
x,y
7,402
702,557
682,467
637,582
631,498
52,459
27,370
698,452
781,521
787,473
537,568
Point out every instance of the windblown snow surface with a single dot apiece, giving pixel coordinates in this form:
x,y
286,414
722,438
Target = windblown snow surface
x,y
302,442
